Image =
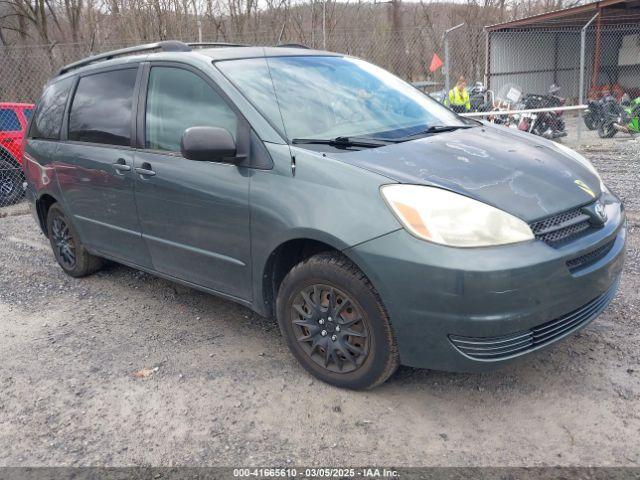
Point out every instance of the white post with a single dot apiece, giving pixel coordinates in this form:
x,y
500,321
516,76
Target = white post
x,y
447,73
583,42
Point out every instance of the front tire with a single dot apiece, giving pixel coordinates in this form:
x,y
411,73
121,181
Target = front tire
x,y
69,251
590,121
335,324
606,130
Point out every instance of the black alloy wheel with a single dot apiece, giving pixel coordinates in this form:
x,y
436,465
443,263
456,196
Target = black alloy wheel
x,y
63,241
330,328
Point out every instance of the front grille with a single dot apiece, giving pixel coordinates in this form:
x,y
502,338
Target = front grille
x,y
499,348
560,228
589,258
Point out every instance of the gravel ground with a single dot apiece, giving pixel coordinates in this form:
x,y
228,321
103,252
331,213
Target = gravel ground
x,y
215,384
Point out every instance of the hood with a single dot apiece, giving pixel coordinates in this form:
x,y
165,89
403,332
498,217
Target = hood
x,y
527,176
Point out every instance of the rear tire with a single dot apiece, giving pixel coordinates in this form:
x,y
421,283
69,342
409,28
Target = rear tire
x,y
335,324
11,180
70,254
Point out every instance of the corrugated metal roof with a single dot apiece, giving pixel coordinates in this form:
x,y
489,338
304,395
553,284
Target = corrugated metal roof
x,y
576,16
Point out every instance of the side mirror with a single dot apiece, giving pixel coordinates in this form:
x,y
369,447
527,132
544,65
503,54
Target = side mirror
x,y
208,144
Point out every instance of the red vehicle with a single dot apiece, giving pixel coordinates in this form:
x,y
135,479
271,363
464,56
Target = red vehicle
x,y
14,118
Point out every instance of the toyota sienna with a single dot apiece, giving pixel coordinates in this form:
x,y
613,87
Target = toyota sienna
x,y
379,227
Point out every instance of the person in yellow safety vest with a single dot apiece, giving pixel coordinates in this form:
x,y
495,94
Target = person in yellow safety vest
x,y
458,99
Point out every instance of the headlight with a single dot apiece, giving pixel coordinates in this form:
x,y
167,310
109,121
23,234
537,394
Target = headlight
x,y
582,161
447,218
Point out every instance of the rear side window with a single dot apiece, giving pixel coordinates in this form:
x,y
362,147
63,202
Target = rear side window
x,y
28,113
9,121
101,108
178,99
50,110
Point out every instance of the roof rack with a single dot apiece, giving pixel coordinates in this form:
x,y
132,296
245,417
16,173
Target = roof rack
x,y
165,46
292,45
215,44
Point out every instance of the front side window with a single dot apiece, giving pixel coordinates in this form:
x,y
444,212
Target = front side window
x,y
178,99
9,121
50,110
331,96
101,108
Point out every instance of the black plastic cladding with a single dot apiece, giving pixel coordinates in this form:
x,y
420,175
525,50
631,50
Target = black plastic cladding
x,y
590,258
562,227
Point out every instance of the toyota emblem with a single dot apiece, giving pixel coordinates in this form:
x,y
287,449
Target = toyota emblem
x,y
600,212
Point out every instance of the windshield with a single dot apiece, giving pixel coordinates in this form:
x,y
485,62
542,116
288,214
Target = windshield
x,y
331,96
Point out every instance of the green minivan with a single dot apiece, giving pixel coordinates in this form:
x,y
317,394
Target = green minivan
x,y
379,227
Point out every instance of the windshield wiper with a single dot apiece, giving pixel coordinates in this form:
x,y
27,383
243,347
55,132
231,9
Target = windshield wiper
x,y
363,142
436,129
369,142
445,128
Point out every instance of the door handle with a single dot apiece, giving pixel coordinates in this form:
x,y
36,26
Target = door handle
x,y
121,166
145,170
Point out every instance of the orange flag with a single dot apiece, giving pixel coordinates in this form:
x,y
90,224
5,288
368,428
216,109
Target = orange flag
x,y
436,63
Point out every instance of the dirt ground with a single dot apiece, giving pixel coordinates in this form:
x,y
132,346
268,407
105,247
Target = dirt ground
x,y
222,389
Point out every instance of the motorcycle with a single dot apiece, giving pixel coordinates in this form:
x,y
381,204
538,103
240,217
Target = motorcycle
x,y
625,117
597,111
480,99
544,124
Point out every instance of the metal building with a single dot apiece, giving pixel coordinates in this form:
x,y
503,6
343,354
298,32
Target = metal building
x,y
530,54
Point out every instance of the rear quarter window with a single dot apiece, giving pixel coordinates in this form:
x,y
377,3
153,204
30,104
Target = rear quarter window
x,y
50,111
9,121
102,107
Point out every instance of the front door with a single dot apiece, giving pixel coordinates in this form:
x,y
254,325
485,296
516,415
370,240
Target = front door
x,y
194,214
95,168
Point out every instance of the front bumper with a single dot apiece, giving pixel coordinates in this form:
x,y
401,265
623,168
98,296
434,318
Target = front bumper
x,y
448,304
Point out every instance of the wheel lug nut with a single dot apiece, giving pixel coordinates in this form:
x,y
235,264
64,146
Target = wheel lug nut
x,y
323,333
321,321
337,328
334,337
329,319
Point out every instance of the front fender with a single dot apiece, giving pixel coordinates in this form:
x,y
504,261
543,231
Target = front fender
x,y
323,200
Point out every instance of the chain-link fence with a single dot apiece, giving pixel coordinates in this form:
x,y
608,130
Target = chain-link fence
x,y
592,64
506,69
24,70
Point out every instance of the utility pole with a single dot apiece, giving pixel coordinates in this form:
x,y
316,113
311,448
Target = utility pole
x,y
324,24
447,73
399,53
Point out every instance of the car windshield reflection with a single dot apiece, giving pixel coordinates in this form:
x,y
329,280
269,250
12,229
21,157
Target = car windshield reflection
x,y
333,96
